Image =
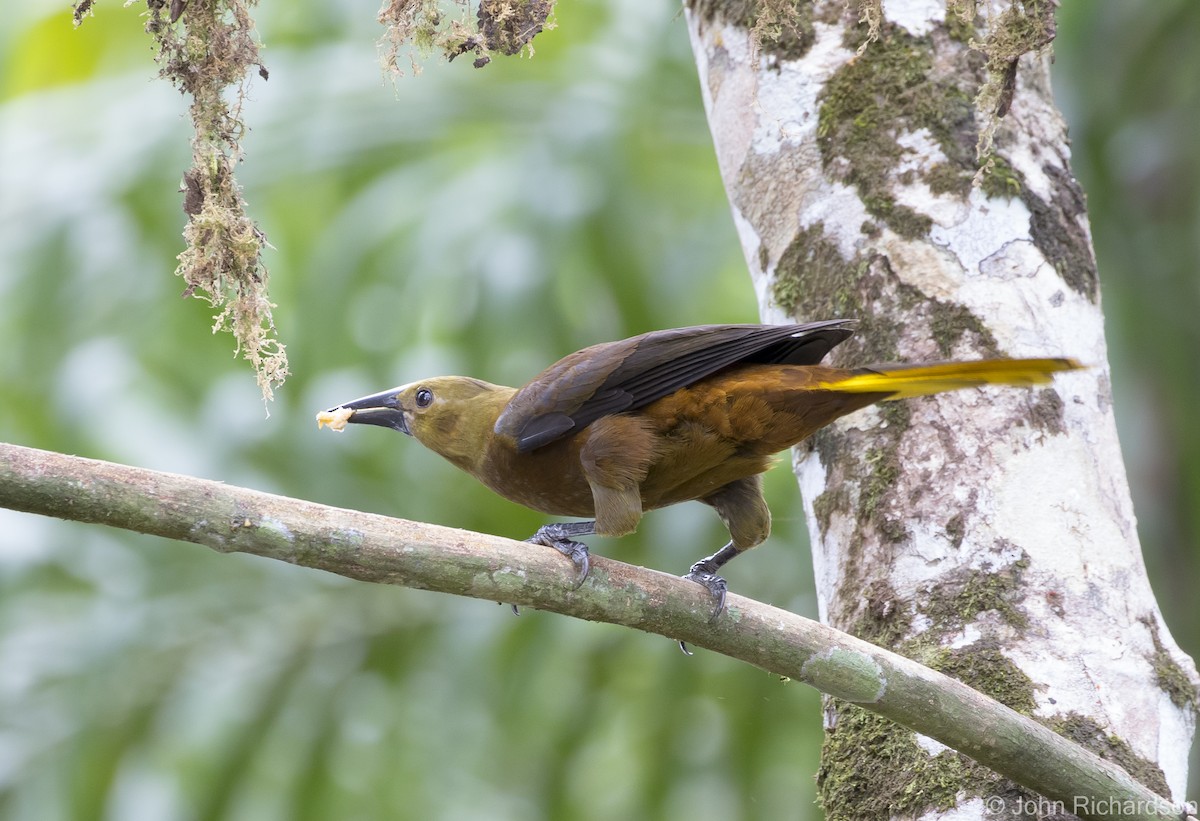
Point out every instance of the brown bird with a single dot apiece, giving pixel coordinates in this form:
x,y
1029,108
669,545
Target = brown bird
x,y
620,428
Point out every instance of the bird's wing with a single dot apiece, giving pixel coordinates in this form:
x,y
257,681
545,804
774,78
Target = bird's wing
x,y
621,376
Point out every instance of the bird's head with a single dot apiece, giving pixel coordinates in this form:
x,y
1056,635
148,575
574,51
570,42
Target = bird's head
x,y
451,415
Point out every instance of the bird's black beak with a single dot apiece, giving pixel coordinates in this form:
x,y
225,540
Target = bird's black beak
x,y
381,409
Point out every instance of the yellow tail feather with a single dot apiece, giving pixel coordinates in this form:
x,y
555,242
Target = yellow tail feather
x,y
903,381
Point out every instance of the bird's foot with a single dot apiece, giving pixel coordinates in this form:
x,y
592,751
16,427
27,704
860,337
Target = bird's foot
x,y
577,552
558,535
704,573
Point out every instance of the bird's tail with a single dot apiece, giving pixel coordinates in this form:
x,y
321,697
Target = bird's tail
x,y
902,381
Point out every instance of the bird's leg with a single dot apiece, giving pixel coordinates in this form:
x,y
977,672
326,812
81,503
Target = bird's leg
x,y
704,573
742,508
558,535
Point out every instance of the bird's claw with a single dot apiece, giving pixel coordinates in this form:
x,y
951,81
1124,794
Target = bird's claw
x,y
715,585
577,552
703,575
556,536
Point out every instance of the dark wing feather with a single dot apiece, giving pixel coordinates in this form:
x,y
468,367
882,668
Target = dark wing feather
x,y
621,376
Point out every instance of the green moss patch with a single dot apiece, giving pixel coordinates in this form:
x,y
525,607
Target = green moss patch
x,y
1085,732
1172,679
984,667
872,767
948,178
1000,180
1057,229
868,103
962,596
812,266
951,321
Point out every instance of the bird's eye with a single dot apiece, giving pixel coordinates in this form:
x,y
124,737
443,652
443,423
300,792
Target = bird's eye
x,y
424,397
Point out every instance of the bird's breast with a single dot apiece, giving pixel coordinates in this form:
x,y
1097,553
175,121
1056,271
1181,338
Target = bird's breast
x,y
548,479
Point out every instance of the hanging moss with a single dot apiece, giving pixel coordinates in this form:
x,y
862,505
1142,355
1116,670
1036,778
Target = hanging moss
x,y
782,29
205,48
503,26
81,10
960,20
1025,26
507,26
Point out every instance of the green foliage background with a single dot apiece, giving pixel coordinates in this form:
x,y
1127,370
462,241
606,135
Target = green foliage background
x,y
479,222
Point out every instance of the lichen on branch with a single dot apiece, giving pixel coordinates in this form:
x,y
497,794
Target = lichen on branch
x,y
207,48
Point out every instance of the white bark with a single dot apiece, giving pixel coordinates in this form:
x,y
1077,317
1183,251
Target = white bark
x,y
1000,483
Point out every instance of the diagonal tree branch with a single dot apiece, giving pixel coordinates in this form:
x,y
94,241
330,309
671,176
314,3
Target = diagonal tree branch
x,y
375,548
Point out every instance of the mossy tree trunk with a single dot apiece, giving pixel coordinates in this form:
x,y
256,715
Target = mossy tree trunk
x,y
989,534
